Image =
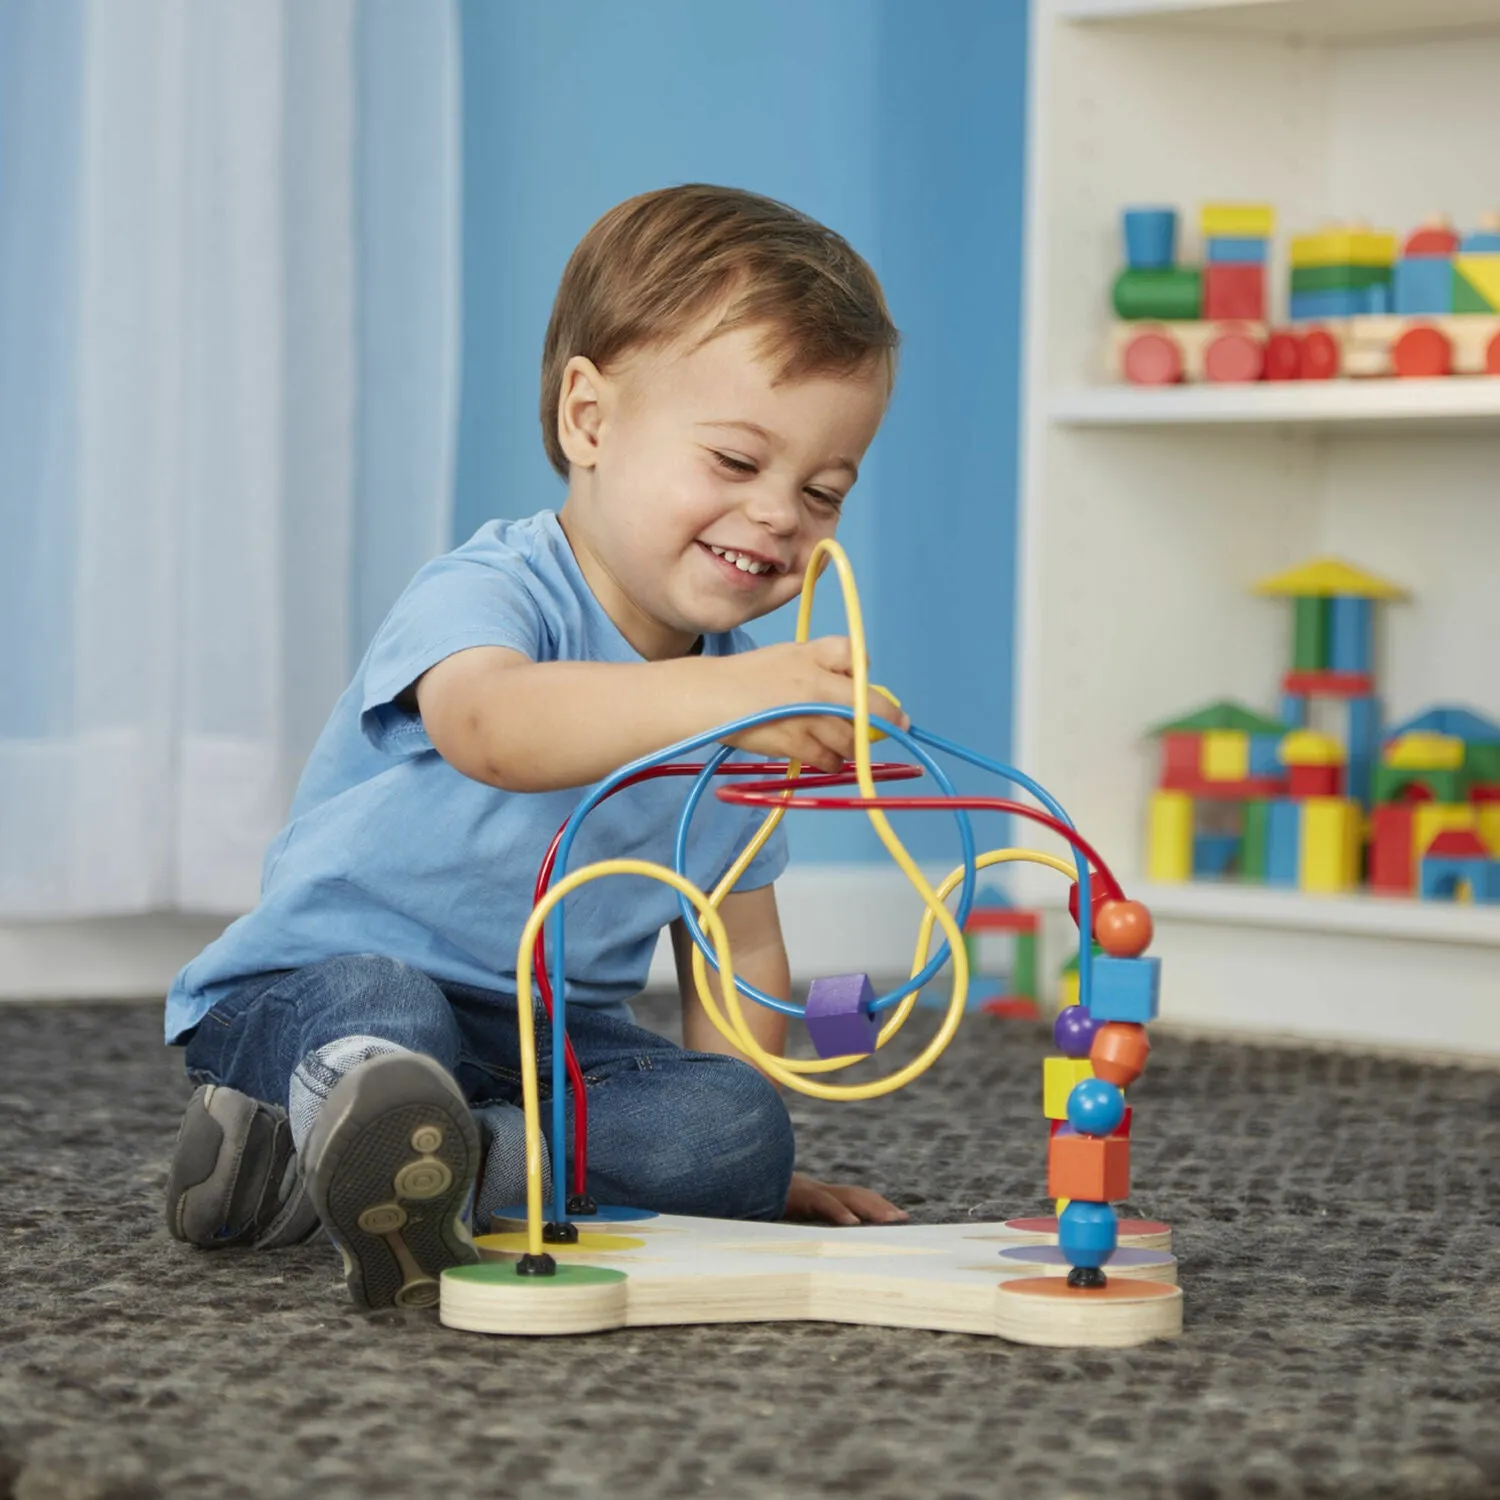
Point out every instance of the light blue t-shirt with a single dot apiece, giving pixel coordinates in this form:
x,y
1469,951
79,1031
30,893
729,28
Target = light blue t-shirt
x,y
389,850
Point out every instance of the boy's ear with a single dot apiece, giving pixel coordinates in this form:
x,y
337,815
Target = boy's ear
x,y
579,411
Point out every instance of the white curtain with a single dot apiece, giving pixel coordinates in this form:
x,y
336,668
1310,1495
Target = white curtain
x,y
228,353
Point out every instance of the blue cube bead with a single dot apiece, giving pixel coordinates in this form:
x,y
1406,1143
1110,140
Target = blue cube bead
x,y
839,1020
1086,1233
1125,989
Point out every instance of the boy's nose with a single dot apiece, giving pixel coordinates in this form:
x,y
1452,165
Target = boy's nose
x,y
774,509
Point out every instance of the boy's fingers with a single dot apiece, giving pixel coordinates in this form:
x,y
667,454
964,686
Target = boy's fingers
x,y
833,652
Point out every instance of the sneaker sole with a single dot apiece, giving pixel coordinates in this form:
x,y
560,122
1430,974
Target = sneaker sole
x,y
396,1155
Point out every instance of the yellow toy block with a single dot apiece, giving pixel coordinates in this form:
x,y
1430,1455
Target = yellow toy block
x,y
1059,1077
1237,220
1225,755
1422,751
1327,576
1306,747
1432,818
1328,860
1169,851
1067,986
1488,820
1343,247
1482,272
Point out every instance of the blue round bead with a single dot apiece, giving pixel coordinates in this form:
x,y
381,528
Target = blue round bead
x,y
1073,1031
1086,1233
1095,1107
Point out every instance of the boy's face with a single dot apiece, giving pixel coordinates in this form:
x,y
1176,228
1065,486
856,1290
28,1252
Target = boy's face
x,y
700,484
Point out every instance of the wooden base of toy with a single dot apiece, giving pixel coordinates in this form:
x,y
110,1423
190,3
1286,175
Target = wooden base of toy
x,y
962,1278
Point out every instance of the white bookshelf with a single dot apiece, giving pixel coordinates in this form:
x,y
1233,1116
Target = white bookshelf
x,y
1146,514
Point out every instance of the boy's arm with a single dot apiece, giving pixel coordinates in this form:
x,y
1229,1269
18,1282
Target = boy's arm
x,y
530,726
759,954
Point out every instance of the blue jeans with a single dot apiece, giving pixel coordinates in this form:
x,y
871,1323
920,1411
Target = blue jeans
x,y
671,1130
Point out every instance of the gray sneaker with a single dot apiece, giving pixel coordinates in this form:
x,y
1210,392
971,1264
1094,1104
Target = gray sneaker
x,y
391,1164
233,1178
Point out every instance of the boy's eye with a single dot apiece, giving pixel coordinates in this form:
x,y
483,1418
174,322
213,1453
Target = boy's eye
x,y
825,497
734,465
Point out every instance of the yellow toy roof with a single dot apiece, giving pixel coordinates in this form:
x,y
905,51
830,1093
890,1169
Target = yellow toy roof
x,y
1325,576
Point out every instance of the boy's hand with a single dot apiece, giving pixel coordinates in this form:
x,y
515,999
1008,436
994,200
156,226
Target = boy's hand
x,y
835,1203
819,671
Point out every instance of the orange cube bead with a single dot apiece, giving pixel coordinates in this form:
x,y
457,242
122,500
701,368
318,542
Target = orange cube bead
x,y
1119,1052
1093,1168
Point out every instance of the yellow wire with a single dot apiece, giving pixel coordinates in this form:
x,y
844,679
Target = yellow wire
x,y
733,1027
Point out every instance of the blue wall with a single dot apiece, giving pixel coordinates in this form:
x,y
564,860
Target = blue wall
x,y
899,125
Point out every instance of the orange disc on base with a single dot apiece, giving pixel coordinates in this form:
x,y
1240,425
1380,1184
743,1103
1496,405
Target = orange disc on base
x,y
1422,351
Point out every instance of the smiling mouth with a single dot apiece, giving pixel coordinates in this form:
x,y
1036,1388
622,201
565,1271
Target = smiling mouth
x,y
755,566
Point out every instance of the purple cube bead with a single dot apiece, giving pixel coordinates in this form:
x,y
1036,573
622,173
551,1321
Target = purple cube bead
x,y
838,1016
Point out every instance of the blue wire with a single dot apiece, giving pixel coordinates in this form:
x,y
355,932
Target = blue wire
x,y
966,897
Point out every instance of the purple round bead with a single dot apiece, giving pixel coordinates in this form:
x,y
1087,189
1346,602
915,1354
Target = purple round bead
x,y
1073,1031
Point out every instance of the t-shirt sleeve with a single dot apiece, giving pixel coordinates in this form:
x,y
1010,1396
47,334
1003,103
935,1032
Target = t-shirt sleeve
x,y
453,604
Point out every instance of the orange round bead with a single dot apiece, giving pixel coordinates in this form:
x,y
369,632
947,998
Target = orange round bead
x,y
1119,1052
1123,928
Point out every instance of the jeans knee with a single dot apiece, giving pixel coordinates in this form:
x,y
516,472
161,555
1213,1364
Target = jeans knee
x,y
368,994
727,1149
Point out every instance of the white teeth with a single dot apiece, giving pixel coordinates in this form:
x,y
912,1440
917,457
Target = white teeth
x,y
743,563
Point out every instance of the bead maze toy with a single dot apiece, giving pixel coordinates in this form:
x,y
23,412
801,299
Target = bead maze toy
x,y
1412,810
1082,1278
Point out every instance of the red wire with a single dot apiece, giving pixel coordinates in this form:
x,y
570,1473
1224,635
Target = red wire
x,y
767,794
884,771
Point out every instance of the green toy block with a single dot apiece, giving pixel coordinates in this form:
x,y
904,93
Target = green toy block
x,y
1256,841
1445,786
1482,762
1164,295
1467,298
1310,633
1338,278
1023,970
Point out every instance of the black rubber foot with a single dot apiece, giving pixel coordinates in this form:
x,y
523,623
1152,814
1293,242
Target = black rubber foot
x,y
581,1205
536,1265
1087,1276
563,1233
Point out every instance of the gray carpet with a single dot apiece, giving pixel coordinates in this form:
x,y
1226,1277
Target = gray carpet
x,y
1337,1219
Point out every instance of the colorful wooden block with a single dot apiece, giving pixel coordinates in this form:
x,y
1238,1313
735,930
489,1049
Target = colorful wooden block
x,y
1476,283
1487,820
1169,855
1309,633
1283,839
1060,1076
1095,1169
1234,291
1159,296
1364,747
1316,781
1338,278
1422,285
1265,755
1309,747
1348,634
1424,751
1328,859
1150,238
1391,783
1225,755
1067,989
1214,854
1348,302
1392,865
1253,845
1342,247
1236,220
1429,819
1125,989
1235,250
1446,877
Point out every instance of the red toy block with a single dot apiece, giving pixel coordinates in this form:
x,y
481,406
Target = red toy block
x,y
1152,359
1320,355
1431,239
1182,752
1316,781
1015,1008
1000,919
1225,791
1458,843
1390,849
1486,791
1328,684
1234,291
1093,1168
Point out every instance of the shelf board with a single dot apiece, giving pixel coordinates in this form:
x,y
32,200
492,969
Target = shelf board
x,y
1452,403
1354,915
1324,20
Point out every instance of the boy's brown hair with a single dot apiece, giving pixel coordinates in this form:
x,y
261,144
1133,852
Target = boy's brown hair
x,y
659,263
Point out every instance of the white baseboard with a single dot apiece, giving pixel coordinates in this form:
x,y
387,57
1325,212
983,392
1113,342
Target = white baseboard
x,y
1361,989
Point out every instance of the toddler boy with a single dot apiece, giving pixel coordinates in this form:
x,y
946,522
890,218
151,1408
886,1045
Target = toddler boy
x,y
715,367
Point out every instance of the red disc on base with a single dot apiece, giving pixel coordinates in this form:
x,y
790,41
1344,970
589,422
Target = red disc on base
x,y
1283,357
1492,356
1152,359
